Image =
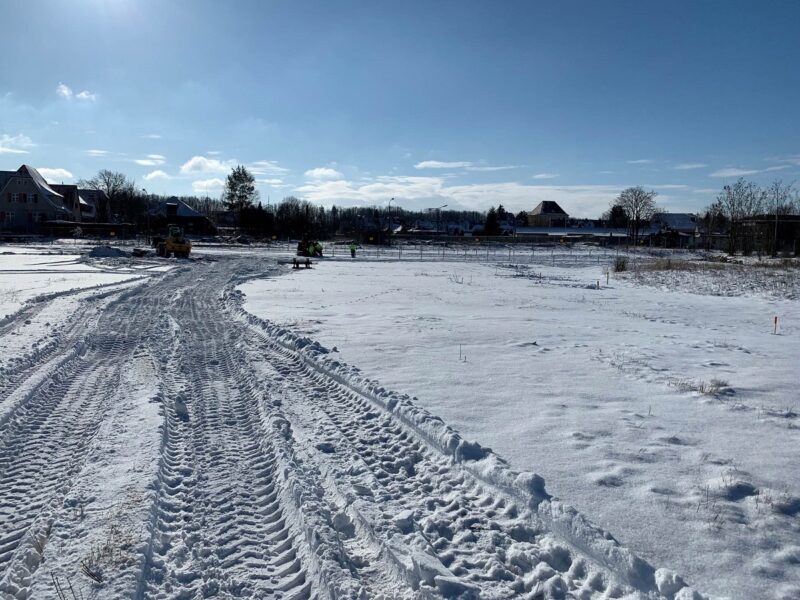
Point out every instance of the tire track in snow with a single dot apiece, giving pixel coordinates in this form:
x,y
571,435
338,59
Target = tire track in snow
x,y
479,543
453,517
44,441
221,526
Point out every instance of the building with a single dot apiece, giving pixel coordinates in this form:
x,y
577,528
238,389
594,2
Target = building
x,y
94,205
27,200
70,199
177,212
548,214
676,222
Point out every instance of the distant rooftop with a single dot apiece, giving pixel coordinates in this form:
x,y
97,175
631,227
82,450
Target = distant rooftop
x,y
548,207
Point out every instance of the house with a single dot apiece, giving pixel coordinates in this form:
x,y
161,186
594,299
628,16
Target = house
x,y
177,212
70,199
547,214
676,222
94,205
26,200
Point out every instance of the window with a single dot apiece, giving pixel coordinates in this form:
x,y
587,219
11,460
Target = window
x,y
15,197
33,198
9,217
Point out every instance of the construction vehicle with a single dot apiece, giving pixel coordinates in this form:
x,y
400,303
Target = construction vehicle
x,y
174,243
308,247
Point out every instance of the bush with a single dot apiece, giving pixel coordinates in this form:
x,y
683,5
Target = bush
x,y
620,264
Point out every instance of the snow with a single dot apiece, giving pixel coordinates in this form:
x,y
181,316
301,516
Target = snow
x,y
666,416
27,274
160,439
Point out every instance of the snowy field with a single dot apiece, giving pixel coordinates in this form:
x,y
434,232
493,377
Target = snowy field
x,y
29,272
660,405
160,439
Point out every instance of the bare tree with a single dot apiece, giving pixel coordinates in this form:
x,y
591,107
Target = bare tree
x,y
737,202
639,206
117,187
782,200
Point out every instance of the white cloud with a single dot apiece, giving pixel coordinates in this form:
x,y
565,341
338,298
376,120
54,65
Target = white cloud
x,y
440,164
152,160
274,182
213,152
323,173
545,176
157,174
423,192
491,168
15,144
689,166
266,167
201,164
463,164
733,172
640,161
736,172
54,175
152,136
64,91
208,186
96,152
86,95
704,191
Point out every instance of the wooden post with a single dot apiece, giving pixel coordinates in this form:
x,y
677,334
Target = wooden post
x,y
775,326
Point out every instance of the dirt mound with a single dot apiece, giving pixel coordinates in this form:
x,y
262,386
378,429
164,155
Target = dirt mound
x,y
108,252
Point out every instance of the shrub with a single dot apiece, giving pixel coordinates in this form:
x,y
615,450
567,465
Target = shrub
x,y
620,264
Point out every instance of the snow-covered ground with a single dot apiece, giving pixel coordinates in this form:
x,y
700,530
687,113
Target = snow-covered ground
x,y
159,439
27,273
664,413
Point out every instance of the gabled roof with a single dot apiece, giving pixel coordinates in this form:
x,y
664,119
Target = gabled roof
x,y
181,209
38,180
548,207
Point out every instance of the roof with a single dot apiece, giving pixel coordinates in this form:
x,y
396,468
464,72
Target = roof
x,y
181,209
5,176
38,179
676,221
548,207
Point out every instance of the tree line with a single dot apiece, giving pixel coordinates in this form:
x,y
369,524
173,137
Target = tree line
x,y
732,211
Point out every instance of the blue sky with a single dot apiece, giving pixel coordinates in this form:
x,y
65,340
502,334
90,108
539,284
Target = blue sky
x,y
468,104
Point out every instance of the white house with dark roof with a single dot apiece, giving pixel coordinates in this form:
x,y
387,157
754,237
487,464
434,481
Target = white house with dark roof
x,y
26,199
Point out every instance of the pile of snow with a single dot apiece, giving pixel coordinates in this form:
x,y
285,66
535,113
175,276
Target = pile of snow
x,y
108,252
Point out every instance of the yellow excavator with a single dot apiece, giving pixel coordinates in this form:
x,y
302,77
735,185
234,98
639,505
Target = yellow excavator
x,y
174,243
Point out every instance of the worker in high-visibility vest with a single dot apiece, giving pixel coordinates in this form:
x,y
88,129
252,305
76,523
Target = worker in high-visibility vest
x,y
353,250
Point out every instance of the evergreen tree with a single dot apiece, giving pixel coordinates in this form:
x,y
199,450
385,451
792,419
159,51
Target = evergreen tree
x,y
492,224
240,190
